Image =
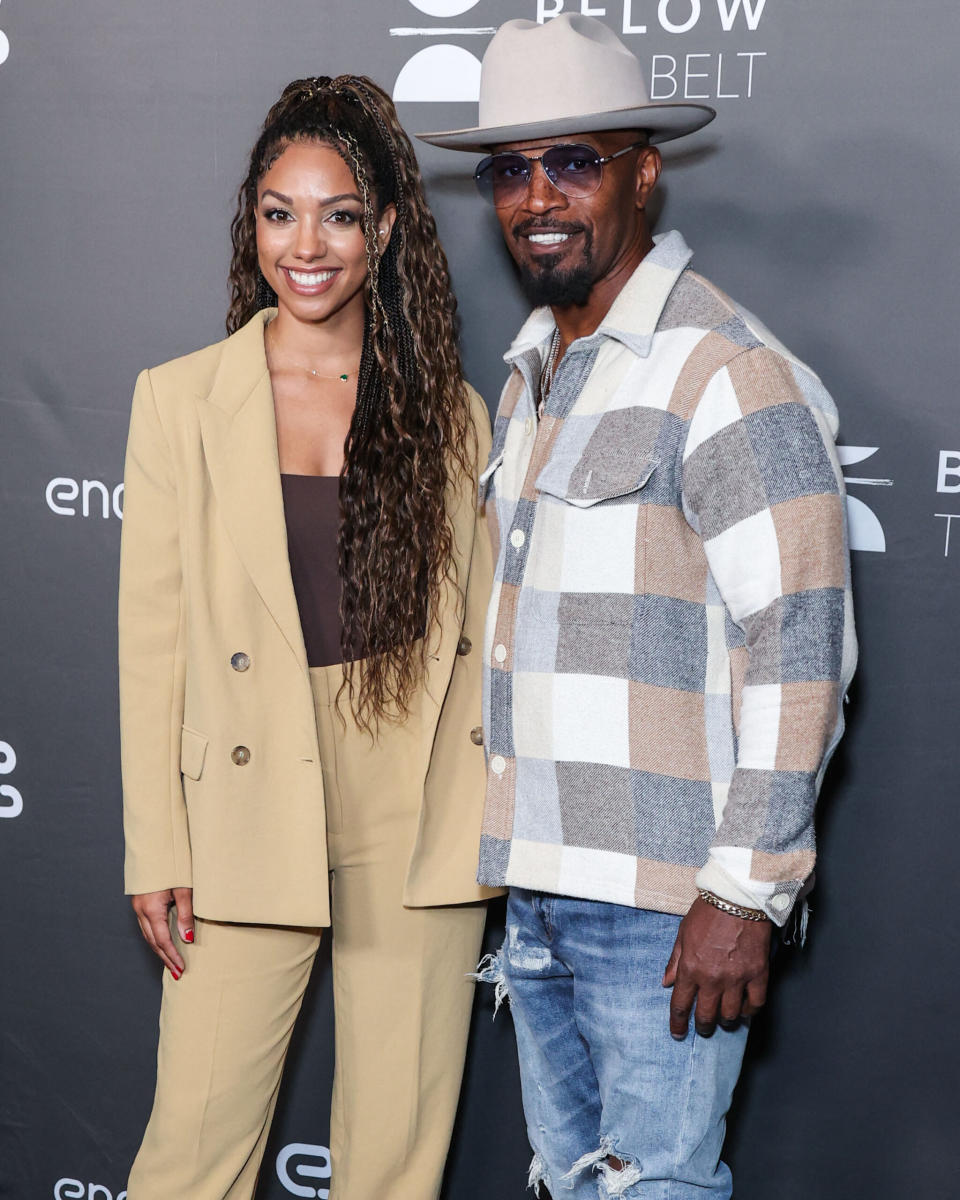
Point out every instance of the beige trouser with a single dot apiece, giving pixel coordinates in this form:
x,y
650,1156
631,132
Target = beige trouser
x,y
401,997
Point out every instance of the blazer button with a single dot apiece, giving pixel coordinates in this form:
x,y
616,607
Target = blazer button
x,y
240,755
240,661
476,735
464,646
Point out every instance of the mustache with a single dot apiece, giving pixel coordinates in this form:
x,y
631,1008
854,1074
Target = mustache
x,y
544,226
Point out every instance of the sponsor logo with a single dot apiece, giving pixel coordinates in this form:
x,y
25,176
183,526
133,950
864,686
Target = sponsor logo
x,y
299,1161
74,1189
948,482
11,802
446,72
84,497
439,73
444,8
866,532
672,16
443,72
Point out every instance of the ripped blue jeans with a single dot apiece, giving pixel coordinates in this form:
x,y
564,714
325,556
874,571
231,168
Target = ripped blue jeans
x,y
601,1075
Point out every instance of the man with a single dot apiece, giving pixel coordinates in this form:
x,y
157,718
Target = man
x,y
669,639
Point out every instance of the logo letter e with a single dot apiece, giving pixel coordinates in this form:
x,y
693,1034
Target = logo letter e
x,y
318,1168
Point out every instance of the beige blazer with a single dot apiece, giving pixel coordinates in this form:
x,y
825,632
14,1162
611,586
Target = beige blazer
x,y
204,576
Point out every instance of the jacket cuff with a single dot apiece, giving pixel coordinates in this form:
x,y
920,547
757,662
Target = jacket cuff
x,y
775,901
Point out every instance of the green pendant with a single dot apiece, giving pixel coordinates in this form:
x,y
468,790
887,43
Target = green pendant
x,y
344,378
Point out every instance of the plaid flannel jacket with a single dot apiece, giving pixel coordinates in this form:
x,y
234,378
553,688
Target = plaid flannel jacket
x,y
670,635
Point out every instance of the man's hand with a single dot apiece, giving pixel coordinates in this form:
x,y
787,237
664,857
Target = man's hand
x,y
722,963
152,910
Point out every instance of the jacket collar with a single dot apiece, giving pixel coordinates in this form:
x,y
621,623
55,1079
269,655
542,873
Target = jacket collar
x,y
634,314
243,364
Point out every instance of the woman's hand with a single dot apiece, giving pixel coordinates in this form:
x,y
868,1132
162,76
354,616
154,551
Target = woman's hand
x,y
152,909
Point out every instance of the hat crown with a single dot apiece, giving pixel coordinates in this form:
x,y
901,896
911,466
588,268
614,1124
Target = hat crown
x,y
571,65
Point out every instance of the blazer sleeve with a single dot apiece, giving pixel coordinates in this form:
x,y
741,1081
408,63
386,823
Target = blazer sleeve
x,y
150,621
456,778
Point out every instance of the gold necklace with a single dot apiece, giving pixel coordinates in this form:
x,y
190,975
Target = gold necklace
x,y
548,370
342,378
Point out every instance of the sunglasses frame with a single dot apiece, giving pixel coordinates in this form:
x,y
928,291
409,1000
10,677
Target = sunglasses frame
x,y
598,160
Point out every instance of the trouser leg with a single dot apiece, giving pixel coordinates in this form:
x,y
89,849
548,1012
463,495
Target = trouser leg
x,y
224,1032
664,1101
402,1001
656,1105
561,1100
402,996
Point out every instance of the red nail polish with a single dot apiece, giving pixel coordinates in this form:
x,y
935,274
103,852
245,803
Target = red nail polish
x,y
175,974
188,936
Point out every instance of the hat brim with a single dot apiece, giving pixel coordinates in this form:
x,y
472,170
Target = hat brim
x,y
663,122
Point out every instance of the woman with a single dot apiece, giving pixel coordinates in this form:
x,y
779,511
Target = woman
x,y
301,585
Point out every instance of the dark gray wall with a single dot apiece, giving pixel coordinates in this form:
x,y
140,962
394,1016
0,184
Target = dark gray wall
x,y
825,200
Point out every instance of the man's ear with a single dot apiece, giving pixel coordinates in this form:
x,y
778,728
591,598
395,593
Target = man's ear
x,y
649,165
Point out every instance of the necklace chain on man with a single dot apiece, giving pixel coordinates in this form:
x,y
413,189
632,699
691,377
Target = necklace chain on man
x,y
548,370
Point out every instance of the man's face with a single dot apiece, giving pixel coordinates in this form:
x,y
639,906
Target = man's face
x,y
603,236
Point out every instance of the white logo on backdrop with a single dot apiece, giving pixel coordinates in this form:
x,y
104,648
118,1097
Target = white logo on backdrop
x,y
673,16
449,73
441,73
12,801
444,8
300,1160
73,1189
948,480
84,497
4,47
866,532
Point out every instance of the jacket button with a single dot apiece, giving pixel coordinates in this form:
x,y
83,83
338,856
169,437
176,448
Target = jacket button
x,y
464,646
476,735
240,661
240,755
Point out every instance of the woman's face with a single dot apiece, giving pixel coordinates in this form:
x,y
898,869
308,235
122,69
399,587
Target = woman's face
x,y
310,234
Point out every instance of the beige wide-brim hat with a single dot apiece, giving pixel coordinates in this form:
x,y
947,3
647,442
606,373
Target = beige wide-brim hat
x,y
571,75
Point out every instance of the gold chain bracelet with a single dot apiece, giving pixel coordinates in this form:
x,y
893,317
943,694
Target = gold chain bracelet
x,y
734,910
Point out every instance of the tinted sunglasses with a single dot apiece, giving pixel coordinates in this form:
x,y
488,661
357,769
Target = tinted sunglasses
x,y
576,170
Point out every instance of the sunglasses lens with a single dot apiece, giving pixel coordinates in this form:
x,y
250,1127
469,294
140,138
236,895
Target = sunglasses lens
x,y
575,170
502,178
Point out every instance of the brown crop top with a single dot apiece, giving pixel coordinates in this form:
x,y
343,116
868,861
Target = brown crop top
x,y
311,506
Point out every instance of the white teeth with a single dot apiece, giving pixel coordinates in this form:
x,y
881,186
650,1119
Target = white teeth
x,y
548,239
308,278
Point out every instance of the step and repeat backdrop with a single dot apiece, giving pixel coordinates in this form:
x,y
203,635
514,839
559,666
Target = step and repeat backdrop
x,y
824,197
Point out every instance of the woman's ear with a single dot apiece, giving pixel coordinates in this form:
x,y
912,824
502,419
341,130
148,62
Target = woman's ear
x,y
385,224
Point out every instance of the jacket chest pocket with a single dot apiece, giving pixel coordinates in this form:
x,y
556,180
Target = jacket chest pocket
x,y
590,545
603,460
587,486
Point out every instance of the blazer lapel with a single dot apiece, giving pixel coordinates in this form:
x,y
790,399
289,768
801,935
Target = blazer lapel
x,y
239,431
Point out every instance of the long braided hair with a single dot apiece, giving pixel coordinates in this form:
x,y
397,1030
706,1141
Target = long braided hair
x,y
411,437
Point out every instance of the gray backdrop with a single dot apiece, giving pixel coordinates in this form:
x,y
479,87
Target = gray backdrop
x,y
824,198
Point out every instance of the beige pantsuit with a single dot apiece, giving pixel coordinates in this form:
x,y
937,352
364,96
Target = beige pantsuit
x,y
241,783
401,994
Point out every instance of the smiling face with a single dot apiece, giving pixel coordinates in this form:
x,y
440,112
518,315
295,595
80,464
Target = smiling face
x,y
580,251
310,241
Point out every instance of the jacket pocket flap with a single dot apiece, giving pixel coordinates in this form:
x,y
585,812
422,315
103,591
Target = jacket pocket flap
x,y
193,750
606,481
604,457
